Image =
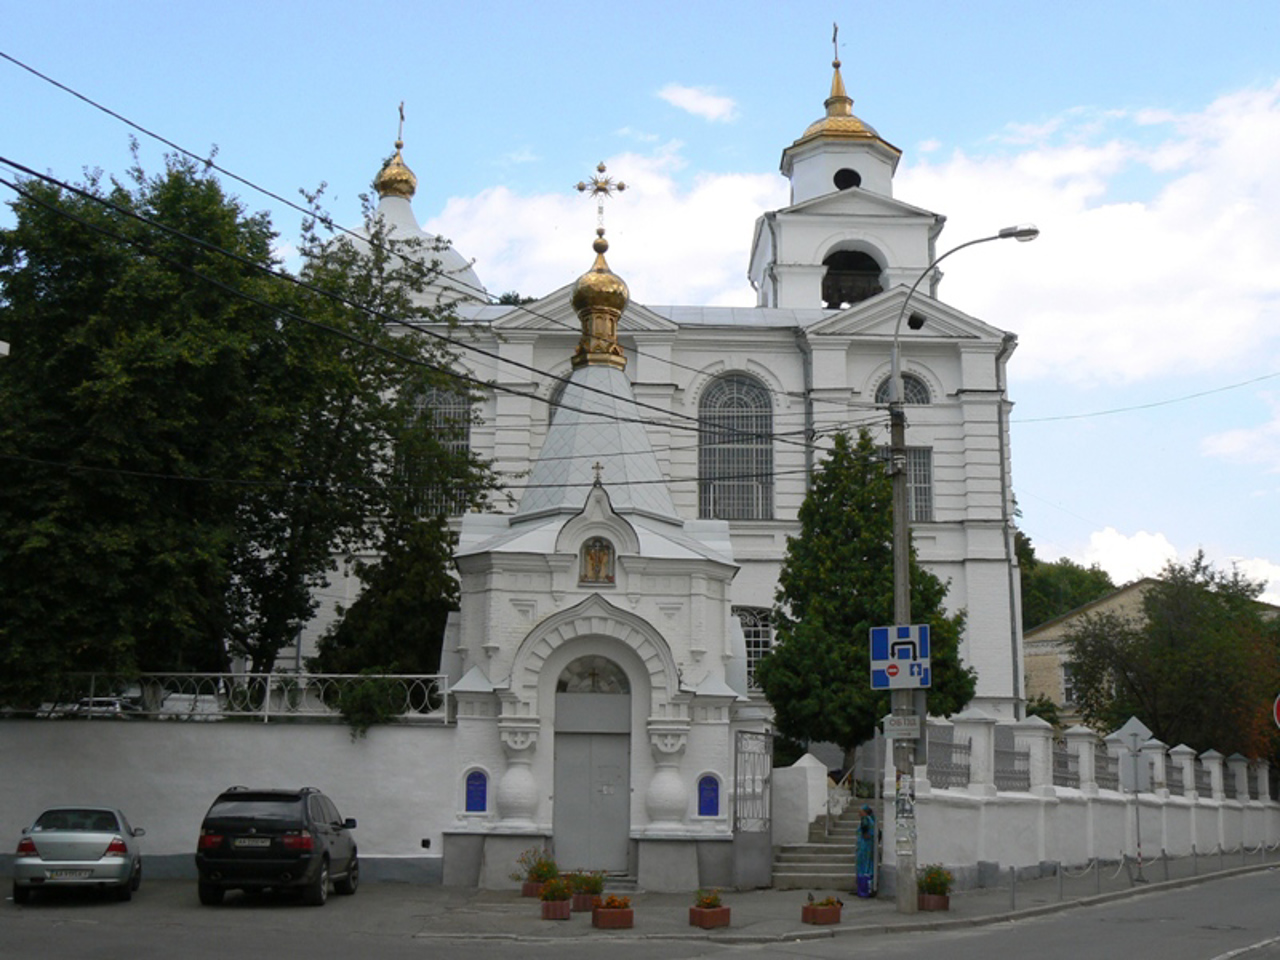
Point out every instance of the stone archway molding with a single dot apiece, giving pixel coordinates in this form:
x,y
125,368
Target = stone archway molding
x,y
595,617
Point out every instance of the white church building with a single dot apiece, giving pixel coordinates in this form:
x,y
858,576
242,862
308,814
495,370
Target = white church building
x,y
614,609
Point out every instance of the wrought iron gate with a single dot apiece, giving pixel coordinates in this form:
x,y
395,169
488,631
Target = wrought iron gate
x,y
752,771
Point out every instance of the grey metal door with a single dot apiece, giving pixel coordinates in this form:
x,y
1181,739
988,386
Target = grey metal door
x,y
592,815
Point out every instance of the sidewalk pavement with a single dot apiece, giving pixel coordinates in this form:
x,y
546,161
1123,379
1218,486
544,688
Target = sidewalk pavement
x,y
763,916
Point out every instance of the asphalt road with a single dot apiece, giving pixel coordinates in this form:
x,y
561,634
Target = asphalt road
x,y
1221,919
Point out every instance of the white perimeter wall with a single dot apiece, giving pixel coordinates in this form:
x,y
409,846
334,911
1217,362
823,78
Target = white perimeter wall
x,y
397,782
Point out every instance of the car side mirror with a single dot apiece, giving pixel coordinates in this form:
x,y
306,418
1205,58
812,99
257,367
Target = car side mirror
x,y
139,832
349,823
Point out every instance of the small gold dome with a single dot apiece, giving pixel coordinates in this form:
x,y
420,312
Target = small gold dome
x,y
600,287
599,297
839,123
395,179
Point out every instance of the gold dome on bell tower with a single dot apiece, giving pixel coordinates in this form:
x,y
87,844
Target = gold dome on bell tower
x,y
599,297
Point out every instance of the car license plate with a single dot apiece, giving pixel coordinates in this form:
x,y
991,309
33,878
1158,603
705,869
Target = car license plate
x,y
70,874
251,842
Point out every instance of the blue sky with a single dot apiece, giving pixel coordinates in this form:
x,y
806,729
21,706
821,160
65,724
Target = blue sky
x,y
1142,137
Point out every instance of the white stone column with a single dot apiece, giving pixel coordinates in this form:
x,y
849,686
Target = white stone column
x,y
979,729
1036,734
1185,758
1212,761
1083,742
1263,772
1153,754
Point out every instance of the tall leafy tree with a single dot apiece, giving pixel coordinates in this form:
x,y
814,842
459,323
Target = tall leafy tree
x,y
187,442
1200,665
836,584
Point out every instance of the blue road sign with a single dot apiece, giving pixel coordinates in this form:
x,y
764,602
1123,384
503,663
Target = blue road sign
x,y
900,657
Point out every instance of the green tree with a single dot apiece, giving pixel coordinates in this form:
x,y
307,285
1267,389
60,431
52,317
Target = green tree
x,y
183,451
397,623
836,584
1200,665
1051,589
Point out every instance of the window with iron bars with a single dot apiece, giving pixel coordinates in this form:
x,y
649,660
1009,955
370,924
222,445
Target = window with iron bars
x,y
446,414
919,482
735,450
757,628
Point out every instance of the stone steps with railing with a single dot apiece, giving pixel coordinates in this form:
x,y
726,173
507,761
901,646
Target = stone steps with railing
x,y
829,861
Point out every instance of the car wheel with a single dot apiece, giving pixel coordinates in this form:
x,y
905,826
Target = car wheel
x,y
210,894
21,894
124,892
136,881
316,894
347,885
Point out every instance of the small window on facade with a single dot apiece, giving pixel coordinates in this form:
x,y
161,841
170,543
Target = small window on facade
x,y
477,792
846,178
757,630
919,482
915,392
596,561
445,417
709,796
1068,683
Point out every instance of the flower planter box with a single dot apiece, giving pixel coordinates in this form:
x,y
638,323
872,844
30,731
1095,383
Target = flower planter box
x,y
581,902
555,909
531,888
933,901
809,913
708,918
613,919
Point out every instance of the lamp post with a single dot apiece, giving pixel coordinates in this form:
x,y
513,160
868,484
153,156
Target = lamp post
x,y
901,700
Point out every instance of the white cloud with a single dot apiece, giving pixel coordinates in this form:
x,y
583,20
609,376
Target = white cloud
x,y
1158,246
1250,445
672,244
700,102
1128,558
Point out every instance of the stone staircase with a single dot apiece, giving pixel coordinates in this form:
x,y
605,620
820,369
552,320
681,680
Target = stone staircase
x,y
825,862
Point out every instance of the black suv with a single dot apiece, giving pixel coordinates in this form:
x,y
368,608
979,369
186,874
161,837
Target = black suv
x,y
276,839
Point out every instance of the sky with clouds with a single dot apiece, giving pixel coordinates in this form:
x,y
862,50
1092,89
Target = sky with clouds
x,y
1141,138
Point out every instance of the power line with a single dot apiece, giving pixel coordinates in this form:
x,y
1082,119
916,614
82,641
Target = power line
x,y
1152,405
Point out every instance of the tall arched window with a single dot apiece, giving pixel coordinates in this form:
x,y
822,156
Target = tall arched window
x,y
445,417
735,450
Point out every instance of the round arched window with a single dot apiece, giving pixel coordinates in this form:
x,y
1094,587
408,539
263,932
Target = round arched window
x,y
846,178
914,391
592,674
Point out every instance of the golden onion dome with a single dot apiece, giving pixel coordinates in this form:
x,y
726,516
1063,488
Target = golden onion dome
x,y
395,179
600,288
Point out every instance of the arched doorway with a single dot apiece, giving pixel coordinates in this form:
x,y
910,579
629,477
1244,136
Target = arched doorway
x,y
591,818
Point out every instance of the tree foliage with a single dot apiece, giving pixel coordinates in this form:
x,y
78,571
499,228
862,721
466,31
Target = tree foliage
x,y
836,584
1050,589
181,457
1200,665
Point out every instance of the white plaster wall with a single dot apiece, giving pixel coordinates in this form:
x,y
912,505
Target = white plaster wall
x,y
165,775
799,796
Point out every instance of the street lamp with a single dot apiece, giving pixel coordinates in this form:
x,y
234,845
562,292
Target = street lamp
x,y
901,700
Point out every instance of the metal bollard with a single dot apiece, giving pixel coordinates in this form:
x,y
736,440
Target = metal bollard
x,y
1013,889
1195,862
1097,876
1059,871
1164,857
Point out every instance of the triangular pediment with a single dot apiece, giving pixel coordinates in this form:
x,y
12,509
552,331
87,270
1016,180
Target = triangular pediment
x,y
878,317
555,312
855,202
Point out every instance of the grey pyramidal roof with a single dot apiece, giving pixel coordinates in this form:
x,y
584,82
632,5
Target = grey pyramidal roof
x,y
597,421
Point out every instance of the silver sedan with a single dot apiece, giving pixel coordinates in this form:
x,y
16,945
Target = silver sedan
x,y
78,847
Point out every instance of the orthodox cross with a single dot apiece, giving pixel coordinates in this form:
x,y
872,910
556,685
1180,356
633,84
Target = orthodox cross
x,y
600,186
599,470
400,135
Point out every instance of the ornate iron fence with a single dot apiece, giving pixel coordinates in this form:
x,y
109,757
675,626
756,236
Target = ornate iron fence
x,y
752,776
1173,780
949,761
404,698
1066,766
1204,782
1106,770
1013,765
